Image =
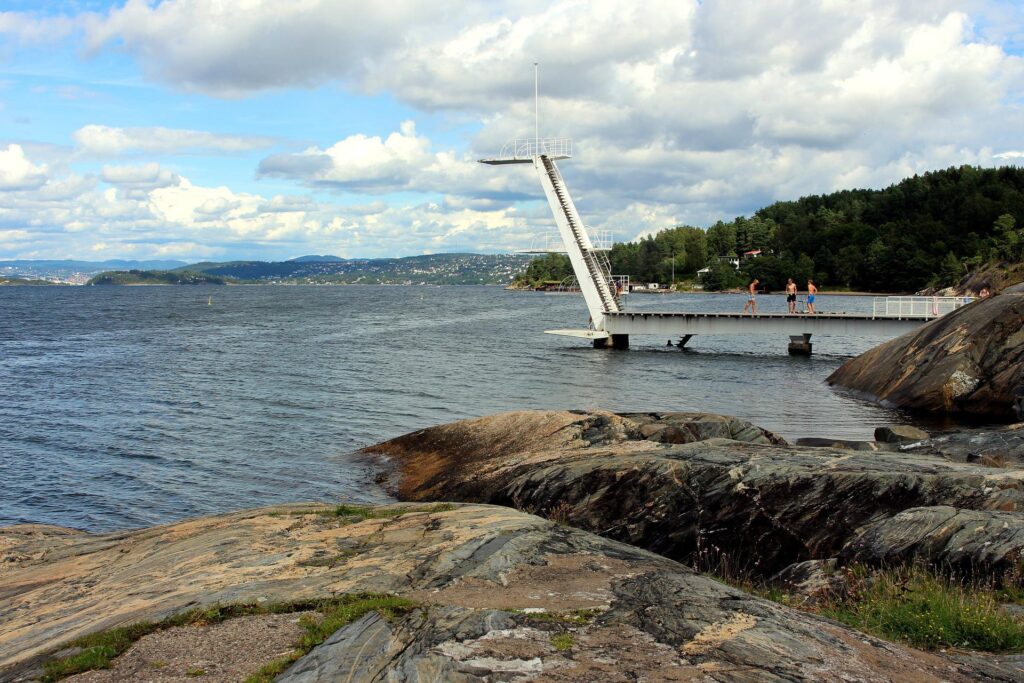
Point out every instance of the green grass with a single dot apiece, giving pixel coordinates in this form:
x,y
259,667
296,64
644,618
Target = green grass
x,y
563,641
98,649
369,512
357,513
930,612
915,606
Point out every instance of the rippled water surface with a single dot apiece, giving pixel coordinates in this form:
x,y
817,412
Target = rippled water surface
x,y
127,406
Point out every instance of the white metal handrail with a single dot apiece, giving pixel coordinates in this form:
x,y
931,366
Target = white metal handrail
x,y
527,148
916,306
600,240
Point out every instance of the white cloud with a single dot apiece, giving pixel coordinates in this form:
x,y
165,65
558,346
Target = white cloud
x,y
31,29
105,141
230,49
146,177
17,172
403,161
147,210
681,111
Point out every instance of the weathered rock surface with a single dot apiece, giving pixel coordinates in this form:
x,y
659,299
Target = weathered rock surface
x,y
958,539
969,361
992,446
473,565
753,506
899,434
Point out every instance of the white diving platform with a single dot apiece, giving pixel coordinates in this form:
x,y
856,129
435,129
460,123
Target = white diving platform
x,y
681,324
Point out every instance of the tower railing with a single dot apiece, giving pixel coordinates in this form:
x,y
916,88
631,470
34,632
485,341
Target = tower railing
x,y
528,148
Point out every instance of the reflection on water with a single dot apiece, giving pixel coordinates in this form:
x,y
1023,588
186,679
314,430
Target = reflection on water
x,y
126,406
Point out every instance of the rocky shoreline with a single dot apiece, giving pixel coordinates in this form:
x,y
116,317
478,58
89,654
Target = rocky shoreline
x,y
970,361
540,545
706,489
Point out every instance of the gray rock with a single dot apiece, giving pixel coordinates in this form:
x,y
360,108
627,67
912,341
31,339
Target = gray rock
x,y
900,434
962,540
819,442
754,507
968,361
812,580
991,446
474,570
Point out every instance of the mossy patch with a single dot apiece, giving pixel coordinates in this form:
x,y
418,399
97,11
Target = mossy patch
x,y
563,641
358,513
576,617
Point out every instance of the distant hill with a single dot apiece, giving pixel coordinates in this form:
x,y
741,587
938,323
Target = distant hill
x,y
438,269
155,277
314,258
432,269
17,281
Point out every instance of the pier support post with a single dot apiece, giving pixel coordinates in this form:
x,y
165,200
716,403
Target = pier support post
x,y
620,341
800,345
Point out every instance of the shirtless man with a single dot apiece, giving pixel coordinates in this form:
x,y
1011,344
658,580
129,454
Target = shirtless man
x,y
791,296
811,291
751,300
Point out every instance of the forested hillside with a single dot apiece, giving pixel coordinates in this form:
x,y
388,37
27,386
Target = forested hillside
x,y
929,230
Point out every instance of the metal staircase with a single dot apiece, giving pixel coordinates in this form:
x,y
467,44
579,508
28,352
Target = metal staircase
x,y
595,261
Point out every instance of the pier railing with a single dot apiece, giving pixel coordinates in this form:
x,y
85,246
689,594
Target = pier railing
x,y
527,148
916,306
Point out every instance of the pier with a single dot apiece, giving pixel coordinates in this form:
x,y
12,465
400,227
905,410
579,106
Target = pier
x,y
611,326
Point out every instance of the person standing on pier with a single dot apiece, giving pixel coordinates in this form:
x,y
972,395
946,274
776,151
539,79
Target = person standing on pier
x,y
791,296
811,292
751,300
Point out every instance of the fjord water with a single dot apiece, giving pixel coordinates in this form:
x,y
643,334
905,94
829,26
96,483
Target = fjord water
x,y
130,406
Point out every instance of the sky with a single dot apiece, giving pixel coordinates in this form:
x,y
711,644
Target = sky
x,y
261,129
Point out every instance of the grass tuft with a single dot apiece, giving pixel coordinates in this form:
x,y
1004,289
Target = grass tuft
x,y
369,512
563,641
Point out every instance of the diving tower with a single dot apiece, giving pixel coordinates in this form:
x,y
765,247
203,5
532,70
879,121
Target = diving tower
x,y
589,261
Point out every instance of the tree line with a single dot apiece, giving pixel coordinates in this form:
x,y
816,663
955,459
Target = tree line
x,y
926,231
